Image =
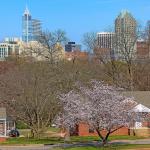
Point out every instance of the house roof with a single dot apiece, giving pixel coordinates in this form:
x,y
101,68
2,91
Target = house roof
x,y
141,97
2,113
141,108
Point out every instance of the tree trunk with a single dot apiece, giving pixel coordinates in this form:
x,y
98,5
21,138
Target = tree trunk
x,y
67,136
105,140
32,133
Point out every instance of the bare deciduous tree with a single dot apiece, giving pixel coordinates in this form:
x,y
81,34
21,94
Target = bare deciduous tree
x,y
90,41
29,95
29,89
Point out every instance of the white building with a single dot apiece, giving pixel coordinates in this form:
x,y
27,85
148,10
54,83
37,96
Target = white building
x,y
7,49
105,42
105,39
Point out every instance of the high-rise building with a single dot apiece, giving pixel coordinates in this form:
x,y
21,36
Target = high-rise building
x,y
125,33
125,23
105,39
104,49
147,33
148,26
31,28
27,26
72,46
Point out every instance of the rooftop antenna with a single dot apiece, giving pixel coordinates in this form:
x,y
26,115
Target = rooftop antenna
x,y
26,10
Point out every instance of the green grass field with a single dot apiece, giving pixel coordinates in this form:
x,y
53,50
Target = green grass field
x,y
116,137
47,138
26,141
55,140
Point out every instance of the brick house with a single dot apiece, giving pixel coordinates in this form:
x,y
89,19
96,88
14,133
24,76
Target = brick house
x,y
85,130
138,129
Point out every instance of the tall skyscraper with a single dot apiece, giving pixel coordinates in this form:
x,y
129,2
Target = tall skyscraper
x,y
125,31
31,28
27,26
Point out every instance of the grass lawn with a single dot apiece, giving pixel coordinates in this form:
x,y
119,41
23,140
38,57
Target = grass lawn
x,y
113,147
26,141
55,140
116,137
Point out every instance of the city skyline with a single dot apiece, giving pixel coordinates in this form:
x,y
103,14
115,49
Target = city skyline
x,y
75,17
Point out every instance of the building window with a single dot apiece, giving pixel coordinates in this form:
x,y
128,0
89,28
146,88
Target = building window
x,y
91,130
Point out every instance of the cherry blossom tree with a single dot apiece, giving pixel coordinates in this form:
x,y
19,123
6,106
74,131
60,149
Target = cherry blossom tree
x,y
99,105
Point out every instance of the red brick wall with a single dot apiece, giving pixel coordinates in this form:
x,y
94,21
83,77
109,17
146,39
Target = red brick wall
x,y
2,139
76,54
83,130
142,50
146,124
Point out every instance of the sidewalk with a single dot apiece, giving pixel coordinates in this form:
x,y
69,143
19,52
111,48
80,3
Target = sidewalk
x,y
139,141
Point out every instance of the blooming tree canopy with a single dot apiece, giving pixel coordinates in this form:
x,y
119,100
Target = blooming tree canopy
x,y
101,106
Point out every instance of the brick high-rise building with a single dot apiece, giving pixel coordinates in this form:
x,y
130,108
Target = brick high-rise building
x,y
125,31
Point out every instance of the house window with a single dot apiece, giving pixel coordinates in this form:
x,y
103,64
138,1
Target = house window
x,y
91,130
138,125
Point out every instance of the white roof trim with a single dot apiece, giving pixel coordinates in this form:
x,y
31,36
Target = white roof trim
x,y
141,108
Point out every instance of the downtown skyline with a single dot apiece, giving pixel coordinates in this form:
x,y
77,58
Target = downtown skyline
x,y
75,17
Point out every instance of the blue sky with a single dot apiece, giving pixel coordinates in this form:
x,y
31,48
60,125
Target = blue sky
x,y
74,16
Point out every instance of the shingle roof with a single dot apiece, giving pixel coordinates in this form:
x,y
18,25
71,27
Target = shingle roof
x,y
141,97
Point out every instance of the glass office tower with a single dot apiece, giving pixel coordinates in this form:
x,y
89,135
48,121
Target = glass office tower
x,y
27,34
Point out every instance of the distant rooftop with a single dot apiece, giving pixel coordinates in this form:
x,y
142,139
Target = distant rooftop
x,y
105,33
141,108
141,97
124,13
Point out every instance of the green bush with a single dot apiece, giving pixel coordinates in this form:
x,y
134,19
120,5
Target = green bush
x,y
21,125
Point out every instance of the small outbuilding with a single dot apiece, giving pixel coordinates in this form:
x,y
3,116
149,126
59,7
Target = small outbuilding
x,y
3,122
6,123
